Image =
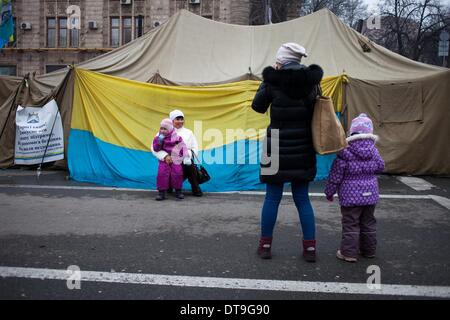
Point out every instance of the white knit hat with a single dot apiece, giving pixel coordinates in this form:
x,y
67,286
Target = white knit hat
x,y
175,114
290,52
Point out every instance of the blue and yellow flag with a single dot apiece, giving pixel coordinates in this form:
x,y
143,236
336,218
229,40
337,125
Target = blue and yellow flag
x,y
6,23
114,121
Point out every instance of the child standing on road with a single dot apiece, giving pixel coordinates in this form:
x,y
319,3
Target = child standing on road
x,y
353,177
170,172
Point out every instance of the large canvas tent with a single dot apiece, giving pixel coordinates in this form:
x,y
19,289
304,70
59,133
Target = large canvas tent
x,y
407,100
192,50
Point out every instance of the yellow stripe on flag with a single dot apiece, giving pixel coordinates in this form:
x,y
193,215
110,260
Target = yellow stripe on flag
x,y
128,113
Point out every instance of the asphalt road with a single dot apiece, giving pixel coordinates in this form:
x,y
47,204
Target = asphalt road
x,y
46,225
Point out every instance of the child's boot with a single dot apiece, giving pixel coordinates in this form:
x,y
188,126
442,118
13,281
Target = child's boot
x,y
265,247
178,194
309,250
161,195
340,256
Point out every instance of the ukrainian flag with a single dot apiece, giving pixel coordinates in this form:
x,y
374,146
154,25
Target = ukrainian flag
x,y
114,121
6,23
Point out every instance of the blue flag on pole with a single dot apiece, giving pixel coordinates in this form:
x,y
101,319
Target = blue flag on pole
x,y
6,23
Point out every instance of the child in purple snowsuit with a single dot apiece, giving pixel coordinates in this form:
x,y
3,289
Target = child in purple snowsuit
x,y
170,173
353,177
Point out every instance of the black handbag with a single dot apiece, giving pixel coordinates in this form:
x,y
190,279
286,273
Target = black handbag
x,y
200,171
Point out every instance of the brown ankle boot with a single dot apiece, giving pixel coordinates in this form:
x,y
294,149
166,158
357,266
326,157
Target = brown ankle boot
x,y
178,194
161,195
309,250
264,248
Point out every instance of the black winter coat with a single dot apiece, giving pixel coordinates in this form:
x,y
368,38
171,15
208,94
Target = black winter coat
x,y
291,93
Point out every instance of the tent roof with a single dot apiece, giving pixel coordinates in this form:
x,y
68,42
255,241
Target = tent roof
x,y
189,49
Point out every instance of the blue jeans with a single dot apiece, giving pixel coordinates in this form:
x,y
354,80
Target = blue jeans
x,y
274,193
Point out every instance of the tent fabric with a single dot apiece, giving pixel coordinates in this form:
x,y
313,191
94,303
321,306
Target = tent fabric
x,y
7,85
192,50
32,92
335,85
417,142
114,121
401,102
9,90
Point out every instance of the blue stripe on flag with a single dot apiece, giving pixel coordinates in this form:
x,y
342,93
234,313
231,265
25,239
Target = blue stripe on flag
x,y
96,161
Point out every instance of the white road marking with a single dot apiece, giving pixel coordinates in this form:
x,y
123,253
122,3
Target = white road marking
x,y
229,283
38,186
417,184
440,200
318,194
257,193
443,201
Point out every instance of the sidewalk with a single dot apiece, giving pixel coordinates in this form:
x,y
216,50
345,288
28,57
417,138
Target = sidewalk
x,y
389,184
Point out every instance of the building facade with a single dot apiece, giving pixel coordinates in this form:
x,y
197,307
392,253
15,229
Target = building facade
x,y
51,34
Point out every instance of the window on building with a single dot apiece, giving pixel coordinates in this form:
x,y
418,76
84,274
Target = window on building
x,y
74,35
53,67
58,35
115,28
74,38
62,39
122,31
138,26
126,30
8,70
51,32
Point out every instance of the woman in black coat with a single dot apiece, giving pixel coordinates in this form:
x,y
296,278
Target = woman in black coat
x,y
290,89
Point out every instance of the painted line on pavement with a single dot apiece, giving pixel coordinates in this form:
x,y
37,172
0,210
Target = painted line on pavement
x,y
445,202
38,186
417,184
318,194
257,193
227,283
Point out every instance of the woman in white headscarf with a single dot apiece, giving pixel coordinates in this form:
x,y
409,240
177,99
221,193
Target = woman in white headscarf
x,y
190,140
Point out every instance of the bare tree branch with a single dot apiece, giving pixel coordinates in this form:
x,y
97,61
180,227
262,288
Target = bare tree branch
x,y
411,26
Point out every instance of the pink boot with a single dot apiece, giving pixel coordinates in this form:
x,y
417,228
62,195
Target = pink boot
x,y
264,248
309,250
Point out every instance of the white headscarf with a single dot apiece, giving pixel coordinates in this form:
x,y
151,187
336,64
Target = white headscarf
x,y
175,114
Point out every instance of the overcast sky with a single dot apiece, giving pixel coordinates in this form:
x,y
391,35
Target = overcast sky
x,y
373,3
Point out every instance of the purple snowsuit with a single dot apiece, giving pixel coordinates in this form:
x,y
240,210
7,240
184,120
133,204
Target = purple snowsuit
x,y
170,175
353,177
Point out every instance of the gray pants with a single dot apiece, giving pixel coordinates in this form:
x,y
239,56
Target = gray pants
x,y
359,228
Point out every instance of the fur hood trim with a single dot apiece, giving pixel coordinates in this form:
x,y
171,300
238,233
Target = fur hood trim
x,y
363,136
295,82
